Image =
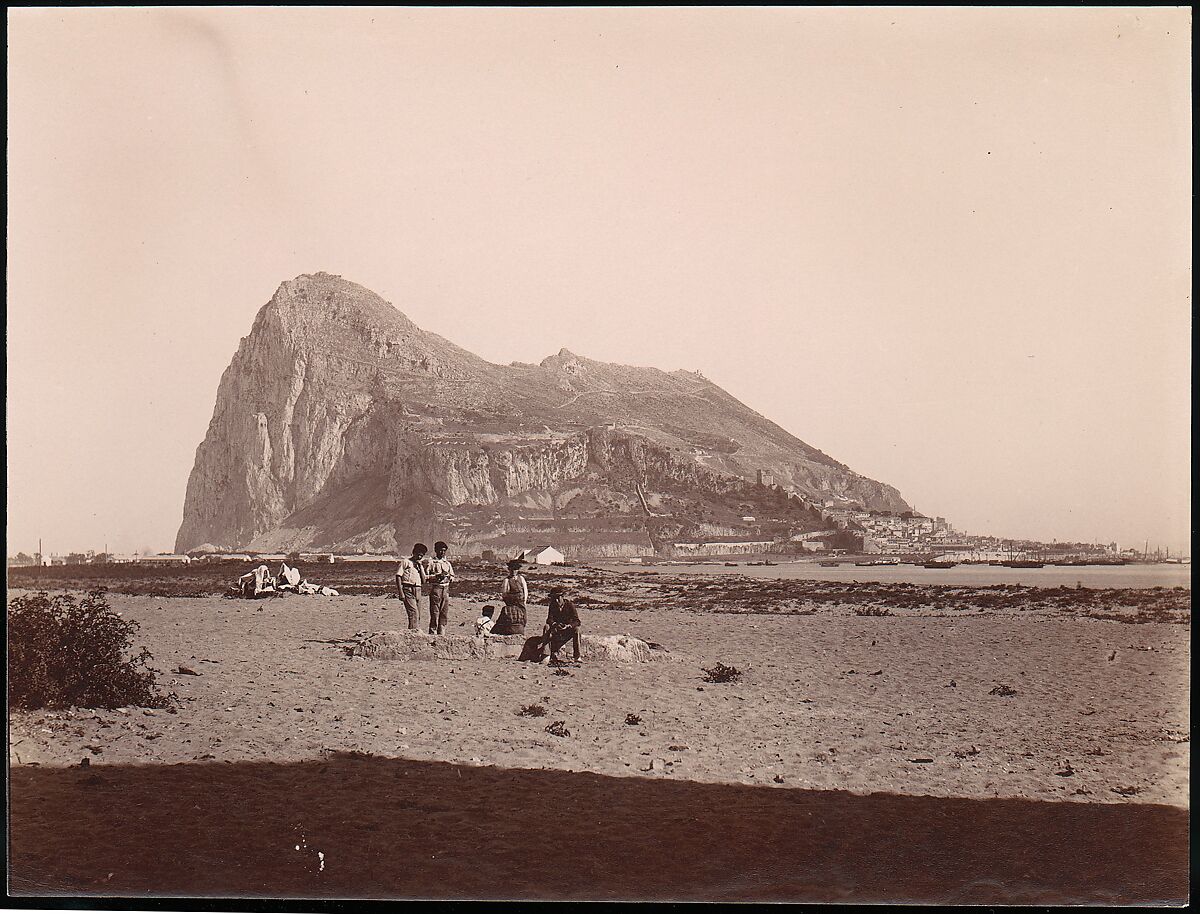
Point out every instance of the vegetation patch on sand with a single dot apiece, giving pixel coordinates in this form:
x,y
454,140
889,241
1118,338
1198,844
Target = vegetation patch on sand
x,y
68,653
722,673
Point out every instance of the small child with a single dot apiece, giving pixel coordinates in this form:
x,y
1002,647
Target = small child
x,y
483,625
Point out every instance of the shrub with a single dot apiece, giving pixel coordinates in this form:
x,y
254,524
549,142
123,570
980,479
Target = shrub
x,y
558,728
532,711
722,673
871,611
632,720
66,653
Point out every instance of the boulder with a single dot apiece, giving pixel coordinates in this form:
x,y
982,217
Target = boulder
x,y
621,648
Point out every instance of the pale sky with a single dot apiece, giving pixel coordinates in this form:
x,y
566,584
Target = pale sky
x,y
949,247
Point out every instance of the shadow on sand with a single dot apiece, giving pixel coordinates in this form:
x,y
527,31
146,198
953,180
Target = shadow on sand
x,y
365,827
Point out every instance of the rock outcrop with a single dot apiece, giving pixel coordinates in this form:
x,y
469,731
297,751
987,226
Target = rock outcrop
x,y
340,425
415,645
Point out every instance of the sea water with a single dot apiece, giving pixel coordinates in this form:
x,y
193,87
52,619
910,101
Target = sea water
x,y
1159,575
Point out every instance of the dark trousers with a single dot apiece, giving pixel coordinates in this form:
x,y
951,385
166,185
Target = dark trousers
x,y
411,594
439,609
558,637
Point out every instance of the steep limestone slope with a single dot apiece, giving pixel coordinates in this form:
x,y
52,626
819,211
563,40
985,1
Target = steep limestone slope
x,y
341,424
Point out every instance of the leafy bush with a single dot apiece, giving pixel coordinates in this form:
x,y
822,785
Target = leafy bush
x,y
722,673
65,653
532,711
558,728
871,611
632,720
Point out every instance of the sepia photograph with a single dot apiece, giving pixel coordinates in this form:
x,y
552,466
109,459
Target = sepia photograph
x,y
582,454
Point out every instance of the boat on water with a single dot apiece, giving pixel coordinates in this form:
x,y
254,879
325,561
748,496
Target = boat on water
x,y
764,562
731,564
877,562
1023,563
829,564
938,564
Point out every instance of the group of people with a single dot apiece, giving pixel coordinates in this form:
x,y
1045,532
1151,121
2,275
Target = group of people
x,y
260,583
419,573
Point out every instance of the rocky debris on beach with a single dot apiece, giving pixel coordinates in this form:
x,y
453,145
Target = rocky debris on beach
x,y
415,645
608,590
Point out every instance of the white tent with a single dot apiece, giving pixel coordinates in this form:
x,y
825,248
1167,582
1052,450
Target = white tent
x,y
542,555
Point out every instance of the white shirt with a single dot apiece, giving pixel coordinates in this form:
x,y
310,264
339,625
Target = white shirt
x,y
435,567
409,572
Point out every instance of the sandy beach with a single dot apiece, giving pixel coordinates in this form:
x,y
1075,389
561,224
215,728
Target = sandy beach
x,y
1022,755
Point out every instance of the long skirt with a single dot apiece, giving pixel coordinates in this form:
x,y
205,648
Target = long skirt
x,y
511,620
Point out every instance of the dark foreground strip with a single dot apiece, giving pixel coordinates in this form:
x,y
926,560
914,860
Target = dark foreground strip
x,y
366,827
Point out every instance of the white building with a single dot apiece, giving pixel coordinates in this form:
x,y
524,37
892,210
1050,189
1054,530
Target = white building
x,y
542,555
163,560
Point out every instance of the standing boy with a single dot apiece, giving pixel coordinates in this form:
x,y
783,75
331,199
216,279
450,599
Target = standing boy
x,y
439,573
410,576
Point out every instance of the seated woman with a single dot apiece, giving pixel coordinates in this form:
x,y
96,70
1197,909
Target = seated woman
x,y
257,583
515,594
288,578
562,625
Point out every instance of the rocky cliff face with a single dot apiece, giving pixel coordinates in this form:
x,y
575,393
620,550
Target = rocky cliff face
x,y
341,425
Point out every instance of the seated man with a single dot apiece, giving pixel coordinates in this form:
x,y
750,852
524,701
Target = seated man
x,y
562,625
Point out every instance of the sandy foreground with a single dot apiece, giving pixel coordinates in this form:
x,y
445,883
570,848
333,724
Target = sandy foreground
x,y
858,759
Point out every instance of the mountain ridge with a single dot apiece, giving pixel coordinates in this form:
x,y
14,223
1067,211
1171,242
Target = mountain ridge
x,y
340,423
